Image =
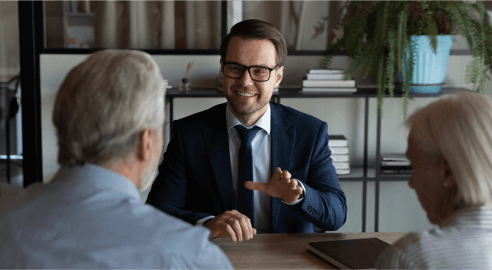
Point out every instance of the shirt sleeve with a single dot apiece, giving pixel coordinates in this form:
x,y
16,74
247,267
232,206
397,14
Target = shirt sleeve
x,y
201,221
299,200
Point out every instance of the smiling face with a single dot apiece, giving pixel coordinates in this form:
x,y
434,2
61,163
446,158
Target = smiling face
x,y
429,178
249,99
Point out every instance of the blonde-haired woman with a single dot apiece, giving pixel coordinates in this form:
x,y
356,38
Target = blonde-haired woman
x,y
450,148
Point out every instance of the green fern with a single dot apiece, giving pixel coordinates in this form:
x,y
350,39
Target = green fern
x,y
377,36
401,32
380,89
390,60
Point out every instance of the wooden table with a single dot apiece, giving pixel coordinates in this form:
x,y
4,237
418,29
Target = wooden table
x,y
287,251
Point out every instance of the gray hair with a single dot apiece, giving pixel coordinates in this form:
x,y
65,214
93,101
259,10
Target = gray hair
x,y
103,105
459,128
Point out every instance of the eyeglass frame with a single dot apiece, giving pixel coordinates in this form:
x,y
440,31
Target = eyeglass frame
x,y
249,71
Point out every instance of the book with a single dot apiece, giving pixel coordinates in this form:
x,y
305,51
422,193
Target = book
x,y
396,168
339,150
395,163
394,157
349,254
327,76
328,83
337,141
340,158
330,89
396,171
341,165
326,71
342,171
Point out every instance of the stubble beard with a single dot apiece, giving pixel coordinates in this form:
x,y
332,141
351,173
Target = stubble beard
x,y
247,110
243,109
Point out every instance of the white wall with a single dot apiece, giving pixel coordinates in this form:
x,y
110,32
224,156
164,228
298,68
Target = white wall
x,y
399,208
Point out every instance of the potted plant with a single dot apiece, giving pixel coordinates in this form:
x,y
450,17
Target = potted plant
x,y
383,37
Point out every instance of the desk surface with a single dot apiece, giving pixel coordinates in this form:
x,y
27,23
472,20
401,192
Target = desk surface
x,y
287,251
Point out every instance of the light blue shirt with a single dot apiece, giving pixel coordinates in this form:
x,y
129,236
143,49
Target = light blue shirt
x,y
261,146
90,217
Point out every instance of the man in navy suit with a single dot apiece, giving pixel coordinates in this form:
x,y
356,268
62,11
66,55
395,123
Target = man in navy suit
x,y
202,177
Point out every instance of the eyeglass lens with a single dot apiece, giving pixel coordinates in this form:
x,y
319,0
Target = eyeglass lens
x,y
256,73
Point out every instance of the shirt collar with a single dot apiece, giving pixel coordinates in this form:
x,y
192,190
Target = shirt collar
x,y
264,122
469,217
98,177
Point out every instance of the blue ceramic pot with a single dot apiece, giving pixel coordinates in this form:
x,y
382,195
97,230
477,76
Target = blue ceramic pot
x,y
430,68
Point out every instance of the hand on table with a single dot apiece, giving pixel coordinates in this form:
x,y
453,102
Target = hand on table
x,y
231,224
280,186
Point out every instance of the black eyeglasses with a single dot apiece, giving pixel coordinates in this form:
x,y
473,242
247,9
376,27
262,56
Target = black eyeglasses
x,y
257,73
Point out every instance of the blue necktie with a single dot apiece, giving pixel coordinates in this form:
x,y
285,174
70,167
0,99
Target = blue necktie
x,y
245,204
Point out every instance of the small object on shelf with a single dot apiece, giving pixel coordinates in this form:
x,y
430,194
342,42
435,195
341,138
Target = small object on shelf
x,y
185,85
72,42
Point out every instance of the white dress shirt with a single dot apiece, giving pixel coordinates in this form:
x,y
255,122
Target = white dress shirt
x,y
261,146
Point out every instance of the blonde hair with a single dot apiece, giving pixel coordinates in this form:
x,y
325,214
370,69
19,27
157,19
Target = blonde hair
x,y
459,128
104,103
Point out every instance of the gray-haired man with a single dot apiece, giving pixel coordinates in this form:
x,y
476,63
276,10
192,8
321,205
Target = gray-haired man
x,y
108,115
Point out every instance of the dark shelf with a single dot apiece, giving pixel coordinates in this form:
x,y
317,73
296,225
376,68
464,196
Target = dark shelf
x,y
357,174
362,92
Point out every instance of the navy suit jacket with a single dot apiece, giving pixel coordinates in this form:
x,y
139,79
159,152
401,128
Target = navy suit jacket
x,y
195,179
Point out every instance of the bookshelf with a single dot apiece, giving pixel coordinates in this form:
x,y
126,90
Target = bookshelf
x,y
363,173
78,24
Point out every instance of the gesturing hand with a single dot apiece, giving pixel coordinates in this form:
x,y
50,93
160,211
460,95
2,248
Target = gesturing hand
x,y
280,186
231,224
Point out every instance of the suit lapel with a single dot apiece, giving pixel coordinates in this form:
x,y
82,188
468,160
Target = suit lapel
x,y
282,141
217,145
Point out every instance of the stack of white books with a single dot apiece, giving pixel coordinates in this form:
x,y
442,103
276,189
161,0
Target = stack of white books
x,y
328,80
168,86
338,145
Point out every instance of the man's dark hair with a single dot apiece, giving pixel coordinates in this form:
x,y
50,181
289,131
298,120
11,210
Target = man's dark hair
x,y
256,30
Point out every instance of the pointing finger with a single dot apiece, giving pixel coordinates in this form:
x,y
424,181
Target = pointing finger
x,y
255,186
